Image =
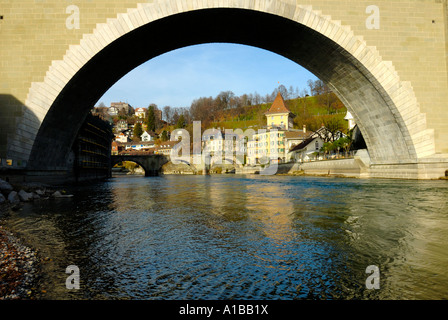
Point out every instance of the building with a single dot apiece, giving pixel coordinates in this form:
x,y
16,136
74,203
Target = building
x,y
122,125
123,107
229,145
92,149
148,136
308,150
279,116
294,138
115,150
147,146
311,148
122,138
351,121
268,146
141,113
113,111
120,107
165,148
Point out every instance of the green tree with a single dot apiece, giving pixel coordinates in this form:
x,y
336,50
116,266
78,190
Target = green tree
x,y
181,122
138,130
164,136
328,147
151,119
344,143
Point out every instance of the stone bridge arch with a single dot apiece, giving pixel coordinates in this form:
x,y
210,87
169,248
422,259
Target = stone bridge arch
x,y
385,107
150,163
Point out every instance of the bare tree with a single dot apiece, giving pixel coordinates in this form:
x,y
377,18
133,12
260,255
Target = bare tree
x,y
167,112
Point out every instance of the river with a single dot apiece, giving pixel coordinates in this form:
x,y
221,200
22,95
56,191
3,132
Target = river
x,y
242,237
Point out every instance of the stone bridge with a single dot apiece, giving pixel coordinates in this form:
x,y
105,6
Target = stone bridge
x,y
385,59
150,163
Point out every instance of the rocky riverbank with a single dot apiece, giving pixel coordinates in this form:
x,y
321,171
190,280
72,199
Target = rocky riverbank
x,y
19,268
19,263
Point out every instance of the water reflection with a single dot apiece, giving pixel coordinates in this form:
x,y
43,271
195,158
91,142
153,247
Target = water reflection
x,y
243,237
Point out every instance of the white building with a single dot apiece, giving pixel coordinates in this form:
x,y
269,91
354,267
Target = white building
x,y
307,151
351,121
113,111
147,136
140,146
228,145
122,138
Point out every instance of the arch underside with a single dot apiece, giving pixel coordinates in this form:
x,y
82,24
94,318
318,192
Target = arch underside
x,y
385,132
150,166
116,161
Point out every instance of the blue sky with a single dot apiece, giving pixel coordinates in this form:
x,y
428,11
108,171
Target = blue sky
x,y
178,77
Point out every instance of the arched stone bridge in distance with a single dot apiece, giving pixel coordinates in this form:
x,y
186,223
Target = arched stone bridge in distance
x,y
151,163
59,58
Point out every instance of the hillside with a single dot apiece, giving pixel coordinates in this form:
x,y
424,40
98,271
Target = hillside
x,y
309,111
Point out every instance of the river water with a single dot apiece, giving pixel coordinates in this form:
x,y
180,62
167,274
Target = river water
x,y
243,237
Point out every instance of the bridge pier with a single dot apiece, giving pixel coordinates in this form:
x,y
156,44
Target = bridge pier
x,y
151,173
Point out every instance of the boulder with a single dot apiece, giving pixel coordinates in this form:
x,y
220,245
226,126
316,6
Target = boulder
x,y
2,198
58,194
5,187
25,196
13,197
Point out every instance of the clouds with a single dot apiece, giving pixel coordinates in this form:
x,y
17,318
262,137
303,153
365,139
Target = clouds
x,y
178,77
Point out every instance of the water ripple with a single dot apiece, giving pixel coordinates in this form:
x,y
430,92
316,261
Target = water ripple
x,y
244,237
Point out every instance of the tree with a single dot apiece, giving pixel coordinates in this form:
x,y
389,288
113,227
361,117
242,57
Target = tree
x,y
328,147
331,128
181,122
157,116
138,130
168,113
151,119
291,93
164,136
283,91
224,99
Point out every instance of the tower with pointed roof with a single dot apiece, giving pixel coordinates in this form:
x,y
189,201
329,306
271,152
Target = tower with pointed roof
x,y
279,116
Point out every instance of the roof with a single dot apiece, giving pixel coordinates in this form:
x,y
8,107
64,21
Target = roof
x,y
137,143
303,144
296,135
167,144
278,106
151,133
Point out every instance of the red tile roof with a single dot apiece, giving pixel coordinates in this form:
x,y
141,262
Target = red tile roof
x,y
278,106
